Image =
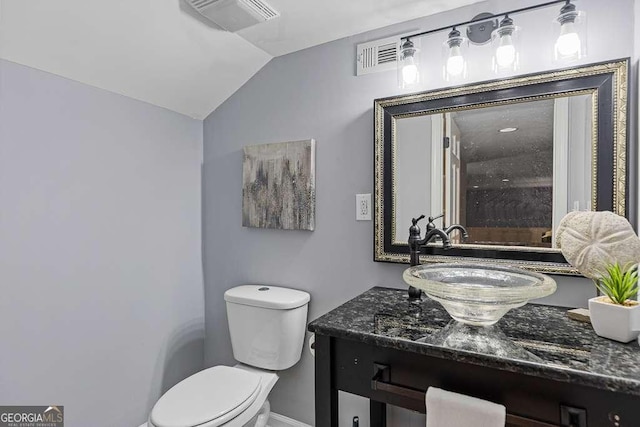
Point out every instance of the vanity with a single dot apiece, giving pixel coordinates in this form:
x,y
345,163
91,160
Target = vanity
x,y
547,369
505,160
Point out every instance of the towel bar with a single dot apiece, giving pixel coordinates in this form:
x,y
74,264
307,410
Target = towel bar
x,y
419,395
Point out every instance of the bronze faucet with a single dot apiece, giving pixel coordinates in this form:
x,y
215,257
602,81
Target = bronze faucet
x,y
416,243
463,231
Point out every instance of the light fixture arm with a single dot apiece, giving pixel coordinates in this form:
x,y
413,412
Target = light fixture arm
x,y
568,13
408,49
568,4
454,38
506,26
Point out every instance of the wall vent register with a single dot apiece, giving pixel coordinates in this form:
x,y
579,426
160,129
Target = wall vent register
x,y
377,55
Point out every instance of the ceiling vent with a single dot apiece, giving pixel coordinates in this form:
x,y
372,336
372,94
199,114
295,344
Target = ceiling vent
x,y
234,15
378,55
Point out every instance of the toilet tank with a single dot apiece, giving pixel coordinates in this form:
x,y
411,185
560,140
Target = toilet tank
x,y
267,325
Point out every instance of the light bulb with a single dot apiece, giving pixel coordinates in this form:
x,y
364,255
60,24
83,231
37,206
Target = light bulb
x,y
455,62
506,52
410,73
568,44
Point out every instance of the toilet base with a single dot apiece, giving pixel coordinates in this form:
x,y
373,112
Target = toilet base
x,y
262,417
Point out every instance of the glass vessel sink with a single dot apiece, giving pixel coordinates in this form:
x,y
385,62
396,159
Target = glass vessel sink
x,y
478,294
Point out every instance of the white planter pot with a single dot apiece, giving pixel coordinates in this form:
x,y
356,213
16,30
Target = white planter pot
x,y
613,321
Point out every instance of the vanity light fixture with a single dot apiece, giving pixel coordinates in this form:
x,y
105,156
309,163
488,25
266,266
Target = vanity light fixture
x,y
409,74
455,66
504,38
505,180
507,130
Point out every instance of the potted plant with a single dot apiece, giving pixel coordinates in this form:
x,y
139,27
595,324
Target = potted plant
x,y
616,314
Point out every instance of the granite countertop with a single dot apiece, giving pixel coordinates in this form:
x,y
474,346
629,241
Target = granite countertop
x,y
533,340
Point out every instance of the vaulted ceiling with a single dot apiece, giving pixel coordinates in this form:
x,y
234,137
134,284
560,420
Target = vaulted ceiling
x,y
163,53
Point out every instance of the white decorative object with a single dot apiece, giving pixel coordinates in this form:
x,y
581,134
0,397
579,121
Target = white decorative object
x,y
614,321
590,241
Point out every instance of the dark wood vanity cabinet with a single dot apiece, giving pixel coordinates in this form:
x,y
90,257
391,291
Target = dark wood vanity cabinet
x,y
382,361
350,366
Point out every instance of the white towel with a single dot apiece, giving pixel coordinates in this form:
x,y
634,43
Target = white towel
x,y
447,409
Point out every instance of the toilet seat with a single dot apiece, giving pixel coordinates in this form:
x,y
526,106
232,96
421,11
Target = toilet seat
x,y
211,397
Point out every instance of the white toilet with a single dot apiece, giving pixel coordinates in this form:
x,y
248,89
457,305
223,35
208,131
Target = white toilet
x,y
267,327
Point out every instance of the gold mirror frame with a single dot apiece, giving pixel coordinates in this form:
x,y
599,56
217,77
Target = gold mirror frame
x,y
609,84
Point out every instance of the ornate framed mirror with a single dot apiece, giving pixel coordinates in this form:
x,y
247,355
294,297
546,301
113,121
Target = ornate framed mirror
x,y
507,159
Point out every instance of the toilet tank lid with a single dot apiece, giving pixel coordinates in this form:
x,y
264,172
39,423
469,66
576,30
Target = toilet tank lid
x,y
267,296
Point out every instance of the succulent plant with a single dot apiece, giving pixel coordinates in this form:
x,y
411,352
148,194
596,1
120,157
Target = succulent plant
x,y
619,283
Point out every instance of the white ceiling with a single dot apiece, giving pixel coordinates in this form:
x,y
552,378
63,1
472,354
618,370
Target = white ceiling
x,y
160,52
306,23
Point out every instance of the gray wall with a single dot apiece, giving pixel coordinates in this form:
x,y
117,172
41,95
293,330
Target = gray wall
x,y
100,254
314,94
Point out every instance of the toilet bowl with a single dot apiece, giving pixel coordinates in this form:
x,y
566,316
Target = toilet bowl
x,y
267,327
219,396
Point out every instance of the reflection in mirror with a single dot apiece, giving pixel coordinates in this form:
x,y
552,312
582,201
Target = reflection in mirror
x,y
507,172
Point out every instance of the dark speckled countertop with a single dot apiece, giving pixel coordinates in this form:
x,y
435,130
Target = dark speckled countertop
x,y
533,340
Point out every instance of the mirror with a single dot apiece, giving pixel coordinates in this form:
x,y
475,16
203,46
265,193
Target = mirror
x,y
506,159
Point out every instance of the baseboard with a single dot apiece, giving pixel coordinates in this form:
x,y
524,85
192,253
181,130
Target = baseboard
x,y
277,420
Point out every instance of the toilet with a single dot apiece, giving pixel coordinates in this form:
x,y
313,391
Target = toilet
x,y
267,328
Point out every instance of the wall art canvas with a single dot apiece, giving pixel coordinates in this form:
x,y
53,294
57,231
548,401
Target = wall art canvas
x,y
278,185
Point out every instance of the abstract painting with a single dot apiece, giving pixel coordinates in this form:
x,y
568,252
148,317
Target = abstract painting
x,y
278,185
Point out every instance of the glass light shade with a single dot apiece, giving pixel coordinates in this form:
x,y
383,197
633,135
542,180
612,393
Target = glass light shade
x,y
454,54
408,65
571,42
505,52
505,42
410,73
568,44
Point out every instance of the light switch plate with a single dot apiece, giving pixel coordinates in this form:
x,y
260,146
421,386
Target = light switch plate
x,y
363,207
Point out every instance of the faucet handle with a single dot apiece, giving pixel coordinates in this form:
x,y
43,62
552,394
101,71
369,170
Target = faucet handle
x,y
433,218
431,225
415,220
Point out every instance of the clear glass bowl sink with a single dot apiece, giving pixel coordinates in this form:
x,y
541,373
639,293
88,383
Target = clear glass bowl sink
x,y
478,294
